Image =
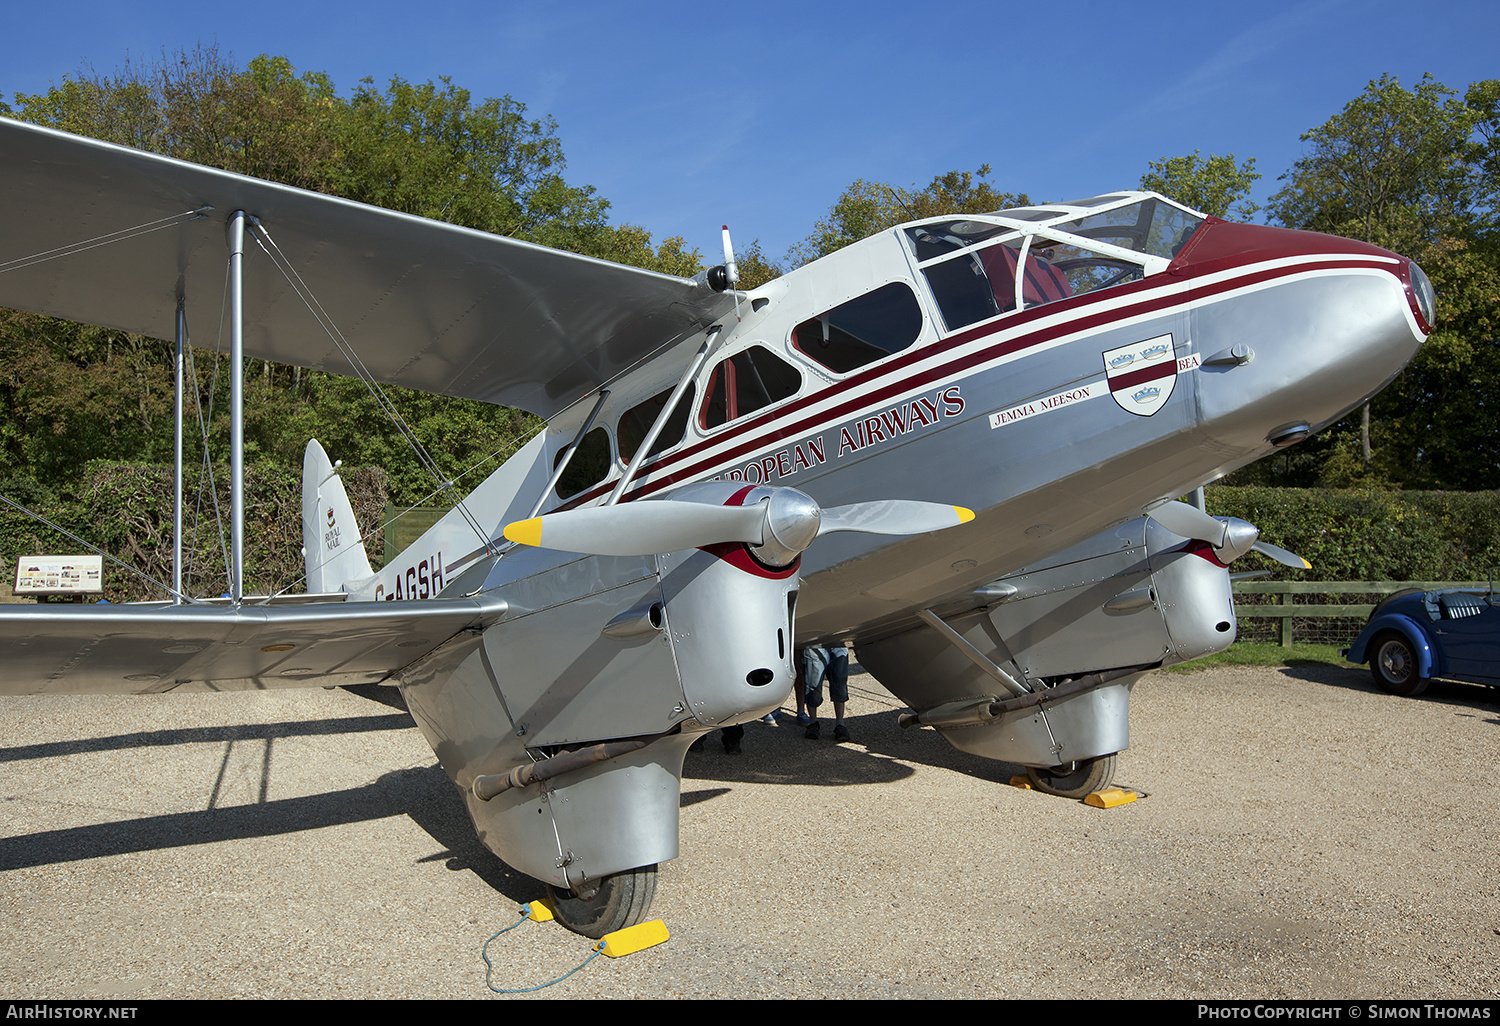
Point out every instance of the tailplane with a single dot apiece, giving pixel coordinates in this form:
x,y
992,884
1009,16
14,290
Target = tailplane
x,y
330,537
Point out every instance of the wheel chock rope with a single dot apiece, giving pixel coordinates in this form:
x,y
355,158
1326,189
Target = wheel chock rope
x,y
615,945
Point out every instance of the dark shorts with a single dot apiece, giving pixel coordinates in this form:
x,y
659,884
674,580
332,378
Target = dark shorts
x,y
818,663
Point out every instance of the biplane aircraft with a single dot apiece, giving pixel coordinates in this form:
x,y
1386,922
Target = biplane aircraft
x,y
725,475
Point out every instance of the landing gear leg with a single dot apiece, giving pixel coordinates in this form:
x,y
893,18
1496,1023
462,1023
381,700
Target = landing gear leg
x,y
1076,779
614,902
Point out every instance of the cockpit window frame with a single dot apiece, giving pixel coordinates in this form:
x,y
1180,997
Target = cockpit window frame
x,y
1026,233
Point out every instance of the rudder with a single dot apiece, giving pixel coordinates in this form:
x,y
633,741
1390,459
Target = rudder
x,y
331,544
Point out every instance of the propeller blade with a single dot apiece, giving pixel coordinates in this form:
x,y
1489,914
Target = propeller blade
x,y
1281,555
730,270
641,528
1191,522
893,516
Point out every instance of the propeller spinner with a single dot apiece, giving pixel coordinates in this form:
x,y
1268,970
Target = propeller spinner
x,y
1230,536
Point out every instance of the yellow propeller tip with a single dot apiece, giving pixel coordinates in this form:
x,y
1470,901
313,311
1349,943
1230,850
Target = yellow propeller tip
x,y
964,515
525,532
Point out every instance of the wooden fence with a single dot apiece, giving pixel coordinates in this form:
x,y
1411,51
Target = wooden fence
x,y
1292,605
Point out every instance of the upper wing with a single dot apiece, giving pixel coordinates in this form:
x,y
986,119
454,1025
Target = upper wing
x,y
141,649
99,233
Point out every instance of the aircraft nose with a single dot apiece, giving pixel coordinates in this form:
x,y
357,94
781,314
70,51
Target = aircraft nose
x,y
1423,298
1295,329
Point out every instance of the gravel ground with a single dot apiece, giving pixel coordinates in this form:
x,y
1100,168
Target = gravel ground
x,y
1301,836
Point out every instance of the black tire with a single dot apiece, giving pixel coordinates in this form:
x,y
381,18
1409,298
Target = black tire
x,y
622,900
1076,780
1393,665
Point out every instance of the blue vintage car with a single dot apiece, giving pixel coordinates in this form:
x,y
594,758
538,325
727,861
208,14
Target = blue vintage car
x,y
1414,636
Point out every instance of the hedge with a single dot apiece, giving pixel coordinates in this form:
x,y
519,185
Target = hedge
x,y
1372,535
126,510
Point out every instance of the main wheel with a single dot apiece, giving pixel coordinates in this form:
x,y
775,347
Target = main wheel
x,y
621,900
1076,779
1394,666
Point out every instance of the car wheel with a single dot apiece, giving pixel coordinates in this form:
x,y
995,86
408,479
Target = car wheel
x,y
1076,780
1394,666
621,900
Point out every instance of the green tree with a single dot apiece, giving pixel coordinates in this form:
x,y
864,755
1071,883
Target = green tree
x,y
1217,186
1396,167
69,392
865,208
1413,171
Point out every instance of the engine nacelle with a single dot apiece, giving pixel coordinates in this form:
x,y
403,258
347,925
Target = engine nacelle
x,y
1136,596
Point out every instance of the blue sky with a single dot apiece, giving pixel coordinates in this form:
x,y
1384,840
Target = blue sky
x,y
689,115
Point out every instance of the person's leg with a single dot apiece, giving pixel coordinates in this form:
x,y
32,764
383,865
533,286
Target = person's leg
x,y
814,665
799,686
838,691
732,737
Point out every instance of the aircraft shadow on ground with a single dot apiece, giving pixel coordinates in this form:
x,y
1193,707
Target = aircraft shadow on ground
x,y
206,735
424,795
881,753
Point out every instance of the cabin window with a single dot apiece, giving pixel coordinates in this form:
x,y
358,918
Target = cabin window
x,y
930,241
587,467
863,330
637,421
745,382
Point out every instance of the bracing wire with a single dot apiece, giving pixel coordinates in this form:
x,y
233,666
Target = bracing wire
x,y
73,248
382,400
206,467
512,445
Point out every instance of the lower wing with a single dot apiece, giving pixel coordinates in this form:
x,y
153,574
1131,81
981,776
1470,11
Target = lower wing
x,y
148,649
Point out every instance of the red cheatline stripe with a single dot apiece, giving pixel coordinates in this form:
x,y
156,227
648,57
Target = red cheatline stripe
x,y
673,467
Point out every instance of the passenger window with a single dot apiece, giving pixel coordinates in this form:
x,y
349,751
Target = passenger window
x,y
587,467
744,383
863,330
637,421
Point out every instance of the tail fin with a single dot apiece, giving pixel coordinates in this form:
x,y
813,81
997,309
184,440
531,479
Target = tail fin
x,y
330,537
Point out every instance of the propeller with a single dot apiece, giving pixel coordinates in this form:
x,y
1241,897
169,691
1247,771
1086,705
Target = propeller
x,y
1230,536
1191,522
779,527
641,528
1281,555
725,275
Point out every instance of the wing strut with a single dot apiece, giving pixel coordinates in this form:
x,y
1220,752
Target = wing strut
x,y
237,406
975,656
666,412
567,454
177,451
